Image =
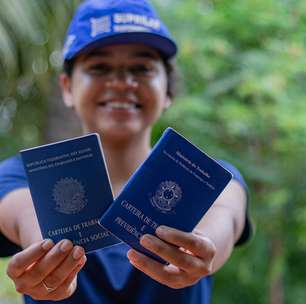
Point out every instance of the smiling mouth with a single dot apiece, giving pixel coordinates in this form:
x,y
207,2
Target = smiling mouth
x,y
119,105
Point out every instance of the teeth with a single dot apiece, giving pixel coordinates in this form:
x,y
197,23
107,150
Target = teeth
x,y
121,105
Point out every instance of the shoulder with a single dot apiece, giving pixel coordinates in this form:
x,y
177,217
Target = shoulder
x,y
12,163
12,168
236,173
12,175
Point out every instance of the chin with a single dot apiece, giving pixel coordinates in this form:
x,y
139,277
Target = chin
x,y
121,132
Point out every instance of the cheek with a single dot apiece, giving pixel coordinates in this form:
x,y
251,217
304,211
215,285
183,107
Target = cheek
x,y
159,87
84,90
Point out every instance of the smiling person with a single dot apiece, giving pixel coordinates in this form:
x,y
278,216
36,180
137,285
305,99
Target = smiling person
x,y
118,77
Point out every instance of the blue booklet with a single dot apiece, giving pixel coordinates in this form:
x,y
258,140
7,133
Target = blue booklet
x,y
70,189
175,186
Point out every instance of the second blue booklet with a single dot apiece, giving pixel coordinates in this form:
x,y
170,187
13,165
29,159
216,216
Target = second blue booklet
x,y
175,186
70,189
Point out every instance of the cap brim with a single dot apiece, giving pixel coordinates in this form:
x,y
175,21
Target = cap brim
x,y
165,46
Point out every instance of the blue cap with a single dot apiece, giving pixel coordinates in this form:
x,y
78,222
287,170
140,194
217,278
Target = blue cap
x,y
99,23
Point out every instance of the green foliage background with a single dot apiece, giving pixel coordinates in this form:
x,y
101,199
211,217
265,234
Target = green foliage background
x,y
243,99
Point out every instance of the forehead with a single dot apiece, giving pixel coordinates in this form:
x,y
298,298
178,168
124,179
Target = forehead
x,y
122,52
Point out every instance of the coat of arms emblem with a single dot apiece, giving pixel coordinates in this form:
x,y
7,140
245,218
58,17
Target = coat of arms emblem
x,y
166,196
69,195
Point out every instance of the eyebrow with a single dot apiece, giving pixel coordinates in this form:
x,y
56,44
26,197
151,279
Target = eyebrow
x,y
145,54
96,53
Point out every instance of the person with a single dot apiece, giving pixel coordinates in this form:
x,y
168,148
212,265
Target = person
x,y
118,78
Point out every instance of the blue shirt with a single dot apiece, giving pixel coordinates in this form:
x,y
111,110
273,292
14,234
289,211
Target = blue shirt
x,y
108,277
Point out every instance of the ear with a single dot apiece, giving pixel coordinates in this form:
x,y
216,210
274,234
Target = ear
x,y
65,84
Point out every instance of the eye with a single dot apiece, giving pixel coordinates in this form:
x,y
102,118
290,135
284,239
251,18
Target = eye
x,y
100,69
141,70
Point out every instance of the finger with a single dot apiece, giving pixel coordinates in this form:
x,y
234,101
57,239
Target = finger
x,y
199,246
68,287
21,261
60,274
159,272
70,278
46,264
172,254
39,292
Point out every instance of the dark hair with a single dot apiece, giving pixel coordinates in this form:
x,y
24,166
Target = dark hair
x,y
170,66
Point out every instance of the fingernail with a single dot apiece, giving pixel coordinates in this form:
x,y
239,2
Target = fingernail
x,y
47,244
66,246
146,241
82,261
161,230
132,255
77,253
81,265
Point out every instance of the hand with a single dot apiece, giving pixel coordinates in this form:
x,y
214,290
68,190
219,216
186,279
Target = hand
x,y
190,256
44,265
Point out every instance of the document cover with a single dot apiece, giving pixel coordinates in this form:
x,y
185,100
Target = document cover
x,y
70,189
175,186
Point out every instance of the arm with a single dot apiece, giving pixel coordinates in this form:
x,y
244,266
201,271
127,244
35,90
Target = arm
x,y
40,261
224,222
195,255
18,221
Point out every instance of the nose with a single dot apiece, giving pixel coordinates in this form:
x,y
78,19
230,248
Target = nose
x,y
122,79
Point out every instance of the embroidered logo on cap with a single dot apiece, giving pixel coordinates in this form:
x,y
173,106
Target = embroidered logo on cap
x,y
140,20
130,28
100,25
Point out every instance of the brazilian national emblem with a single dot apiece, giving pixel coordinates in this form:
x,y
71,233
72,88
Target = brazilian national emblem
x,y
166,196
69,195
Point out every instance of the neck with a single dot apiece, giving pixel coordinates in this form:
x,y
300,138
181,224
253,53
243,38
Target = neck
x,y
123,157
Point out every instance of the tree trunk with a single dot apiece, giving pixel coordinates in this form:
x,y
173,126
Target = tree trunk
x,y
276,292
